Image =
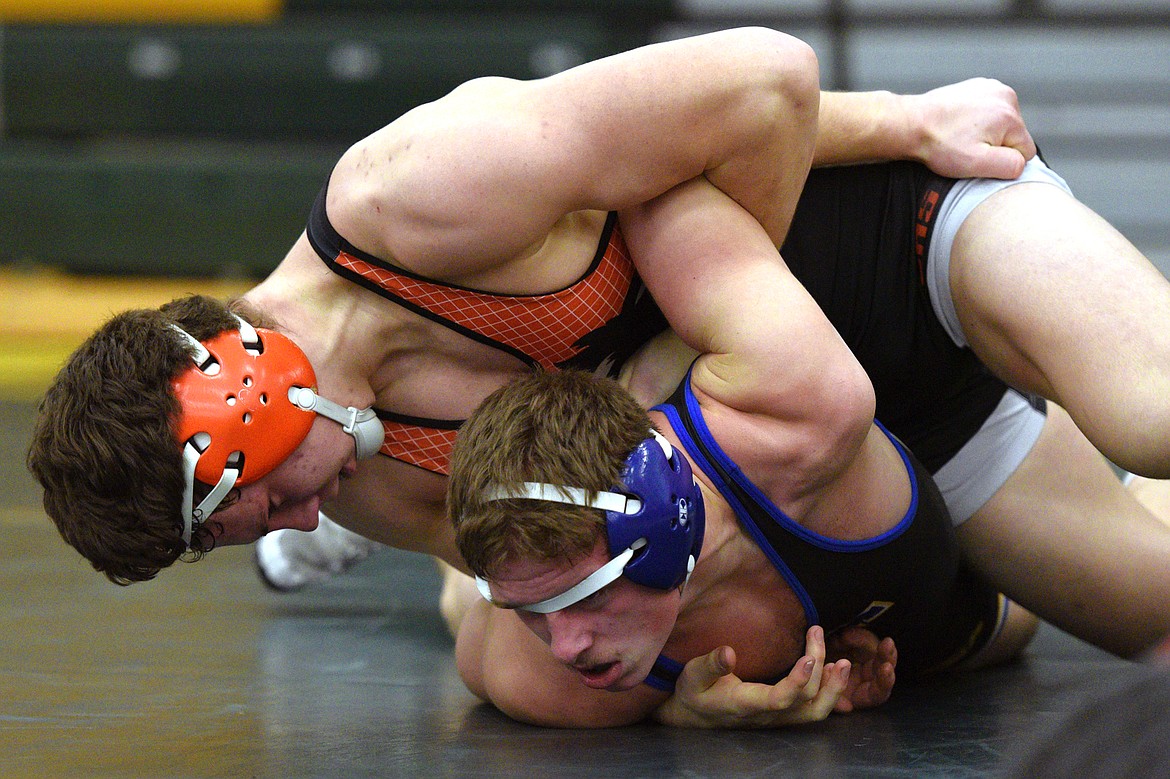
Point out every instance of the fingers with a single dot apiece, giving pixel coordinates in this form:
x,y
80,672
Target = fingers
x,y
1017,135
815,650
869,687
807,681
708,694
835,683
702,673
873,660
802,704
975,129
1004,162
854,642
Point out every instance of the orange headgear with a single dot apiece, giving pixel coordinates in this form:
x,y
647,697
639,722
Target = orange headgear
x,y
247,404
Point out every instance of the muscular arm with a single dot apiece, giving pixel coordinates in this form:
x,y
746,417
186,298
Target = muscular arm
x,y
775,379
481,175
398,505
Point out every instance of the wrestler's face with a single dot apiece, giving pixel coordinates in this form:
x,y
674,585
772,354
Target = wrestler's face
x,y
292,494
611,638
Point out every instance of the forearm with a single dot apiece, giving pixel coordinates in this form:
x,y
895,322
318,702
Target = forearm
x,y
766,346
859,127
773,374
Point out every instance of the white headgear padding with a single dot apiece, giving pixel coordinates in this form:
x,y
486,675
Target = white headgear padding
x,y
363,424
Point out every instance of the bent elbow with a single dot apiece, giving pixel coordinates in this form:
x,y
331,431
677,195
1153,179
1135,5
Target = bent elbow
x,y
789,71
847,410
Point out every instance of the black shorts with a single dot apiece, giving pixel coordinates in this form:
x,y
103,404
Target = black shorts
x,y
858,244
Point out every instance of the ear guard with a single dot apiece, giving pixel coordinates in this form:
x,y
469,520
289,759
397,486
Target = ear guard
x,y
671,517
654,522
247,403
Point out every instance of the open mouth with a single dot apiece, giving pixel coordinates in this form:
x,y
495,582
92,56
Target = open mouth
x,y
601,675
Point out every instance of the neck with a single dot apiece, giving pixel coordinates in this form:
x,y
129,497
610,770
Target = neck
x,y
735,595
325,317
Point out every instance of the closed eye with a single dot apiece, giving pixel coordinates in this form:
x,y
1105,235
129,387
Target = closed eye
x,y
596,600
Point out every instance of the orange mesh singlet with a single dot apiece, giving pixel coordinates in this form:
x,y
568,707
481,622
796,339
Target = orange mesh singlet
x,y
593,324
426,443
545,329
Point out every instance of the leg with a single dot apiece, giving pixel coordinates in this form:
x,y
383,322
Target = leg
x,y
1154,494
1057,302
1067,541
1018,630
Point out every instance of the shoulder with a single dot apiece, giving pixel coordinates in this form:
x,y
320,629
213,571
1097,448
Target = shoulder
x,y
462,183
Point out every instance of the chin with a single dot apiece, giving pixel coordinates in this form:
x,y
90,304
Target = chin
x,y
629,682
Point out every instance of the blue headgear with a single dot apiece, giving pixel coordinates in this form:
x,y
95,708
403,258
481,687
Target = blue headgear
x,y
670,518
654,519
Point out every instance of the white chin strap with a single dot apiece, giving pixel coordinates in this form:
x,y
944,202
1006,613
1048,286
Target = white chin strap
x,y
575,496
602,577
193,515
363,425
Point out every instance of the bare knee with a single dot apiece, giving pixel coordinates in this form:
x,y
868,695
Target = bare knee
x,y
1139,441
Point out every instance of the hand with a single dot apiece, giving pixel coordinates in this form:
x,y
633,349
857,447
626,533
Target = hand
x,y
973,129
873,661
709,695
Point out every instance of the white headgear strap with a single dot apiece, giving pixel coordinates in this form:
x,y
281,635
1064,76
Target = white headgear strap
x,y
363,425
193,516
602,577
575,496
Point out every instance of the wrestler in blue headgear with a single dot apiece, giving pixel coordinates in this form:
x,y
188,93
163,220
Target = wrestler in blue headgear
x,y
654,522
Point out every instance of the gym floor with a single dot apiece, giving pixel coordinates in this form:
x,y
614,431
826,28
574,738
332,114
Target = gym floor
x,y
205,673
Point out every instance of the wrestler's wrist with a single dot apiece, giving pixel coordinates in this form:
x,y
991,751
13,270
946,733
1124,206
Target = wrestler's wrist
x,y
912,125
900,129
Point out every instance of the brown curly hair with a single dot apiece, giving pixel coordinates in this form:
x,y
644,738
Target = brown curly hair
x,y
104,446
567,428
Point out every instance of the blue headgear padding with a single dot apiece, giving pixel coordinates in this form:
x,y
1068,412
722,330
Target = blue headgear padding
x,y
671,518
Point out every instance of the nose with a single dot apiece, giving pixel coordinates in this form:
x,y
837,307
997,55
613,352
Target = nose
x,y
568,636
302,515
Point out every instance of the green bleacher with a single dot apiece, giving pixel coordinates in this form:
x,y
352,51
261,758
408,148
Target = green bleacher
x,y
196,149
